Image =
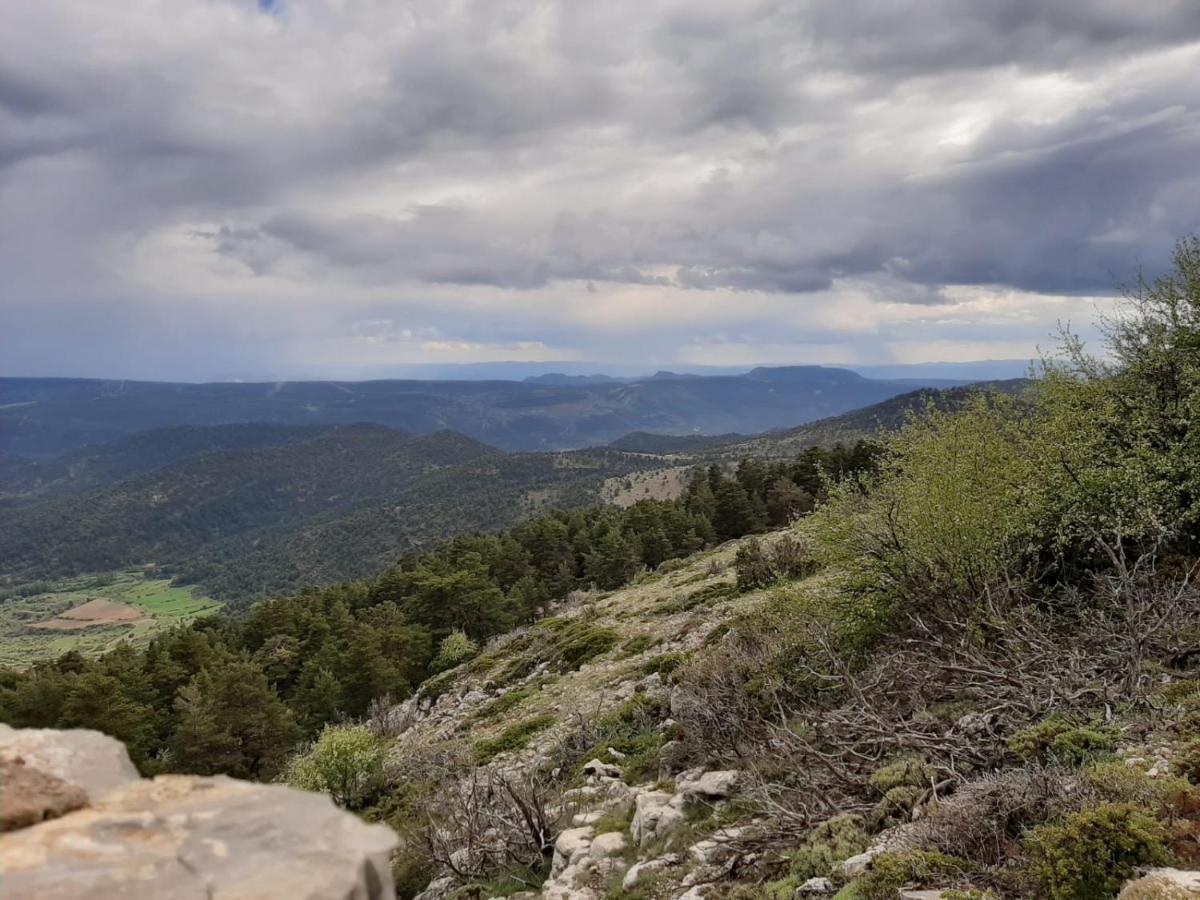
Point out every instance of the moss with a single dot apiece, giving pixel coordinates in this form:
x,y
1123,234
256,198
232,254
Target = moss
x,y
892,871
1120,783
1181,690
907,772
1092,852
969,894
828,845
512,738
1058,740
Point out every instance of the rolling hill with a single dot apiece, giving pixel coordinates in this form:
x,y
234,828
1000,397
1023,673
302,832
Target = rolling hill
x,y
49,417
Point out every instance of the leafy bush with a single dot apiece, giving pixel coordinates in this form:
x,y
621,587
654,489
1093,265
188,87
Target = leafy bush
x,y
583,645
666,663
760,566
1092,852
346,762
1186,761
1058,740
456,648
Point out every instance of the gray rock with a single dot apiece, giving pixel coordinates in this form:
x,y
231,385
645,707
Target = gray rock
x,y
816,886
1167,883
601,769
570,846
608,844
857,865
636,871
655,813
87,759
181,837
710,785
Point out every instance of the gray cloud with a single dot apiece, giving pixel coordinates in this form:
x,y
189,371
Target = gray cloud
x,y
599,178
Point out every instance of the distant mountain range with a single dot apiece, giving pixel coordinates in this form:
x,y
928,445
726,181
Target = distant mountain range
x,y
50,417
253,508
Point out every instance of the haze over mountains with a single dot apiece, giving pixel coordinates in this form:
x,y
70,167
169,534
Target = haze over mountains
x,y
48,417
264,506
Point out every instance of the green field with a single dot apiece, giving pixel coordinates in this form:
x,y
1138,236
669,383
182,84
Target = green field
x,y
159,604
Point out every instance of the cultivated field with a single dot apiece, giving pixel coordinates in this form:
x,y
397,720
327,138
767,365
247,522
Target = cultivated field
x,y
91,614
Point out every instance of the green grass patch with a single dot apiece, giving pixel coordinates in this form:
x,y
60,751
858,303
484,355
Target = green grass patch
x,y
515,737
158,603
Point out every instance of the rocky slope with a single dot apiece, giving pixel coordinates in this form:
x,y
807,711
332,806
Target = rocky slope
x,y
567,736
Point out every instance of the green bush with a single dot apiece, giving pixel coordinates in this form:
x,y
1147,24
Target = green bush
x,y
1091,853
1058,740
830,843
665,664
583,645
456,648
346,762
1186,761
890,872
515,737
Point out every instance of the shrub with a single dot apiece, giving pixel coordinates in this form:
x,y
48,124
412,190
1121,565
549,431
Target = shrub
x,y
1092,852
1058,740
346,762
515,737
758,566
892,871
456,648
947,515
665,664
585,645
827,845
1186,761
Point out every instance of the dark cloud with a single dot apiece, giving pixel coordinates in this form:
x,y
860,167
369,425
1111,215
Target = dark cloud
x,y
544,172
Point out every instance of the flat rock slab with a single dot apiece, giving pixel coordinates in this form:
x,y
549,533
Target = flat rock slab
x,y
181,837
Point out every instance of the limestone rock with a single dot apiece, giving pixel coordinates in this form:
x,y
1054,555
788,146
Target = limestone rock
x,y
815,886
601,769
610,843
655,813
92,761
29,796
857,865
710,785
1163,884
637,870
180,837
570,846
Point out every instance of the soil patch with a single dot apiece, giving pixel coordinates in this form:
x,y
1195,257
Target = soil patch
x,y
95,612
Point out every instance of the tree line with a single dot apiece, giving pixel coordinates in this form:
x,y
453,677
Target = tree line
x,y
236,693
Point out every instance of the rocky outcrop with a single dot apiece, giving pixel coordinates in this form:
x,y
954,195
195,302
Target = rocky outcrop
x,y
178,836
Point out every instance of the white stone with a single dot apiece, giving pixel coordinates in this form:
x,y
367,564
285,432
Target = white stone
x,y
654,815
718,785
857,865
601,769
608,844
637,870
1176,880
816,886
570,846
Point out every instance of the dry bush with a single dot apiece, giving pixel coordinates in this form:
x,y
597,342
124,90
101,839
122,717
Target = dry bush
x,y
476,821
814,721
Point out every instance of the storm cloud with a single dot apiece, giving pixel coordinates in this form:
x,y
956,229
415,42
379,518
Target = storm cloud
x,y
209,188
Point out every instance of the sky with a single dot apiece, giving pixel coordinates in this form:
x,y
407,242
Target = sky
x,y
208,189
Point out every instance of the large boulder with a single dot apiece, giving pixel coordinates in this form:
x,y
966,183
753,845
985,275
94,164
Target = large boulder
x,y
182,837
89,760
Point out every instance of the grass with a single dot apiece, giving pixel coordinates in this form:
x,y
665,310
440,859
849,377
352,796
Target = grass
x,y
161,603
